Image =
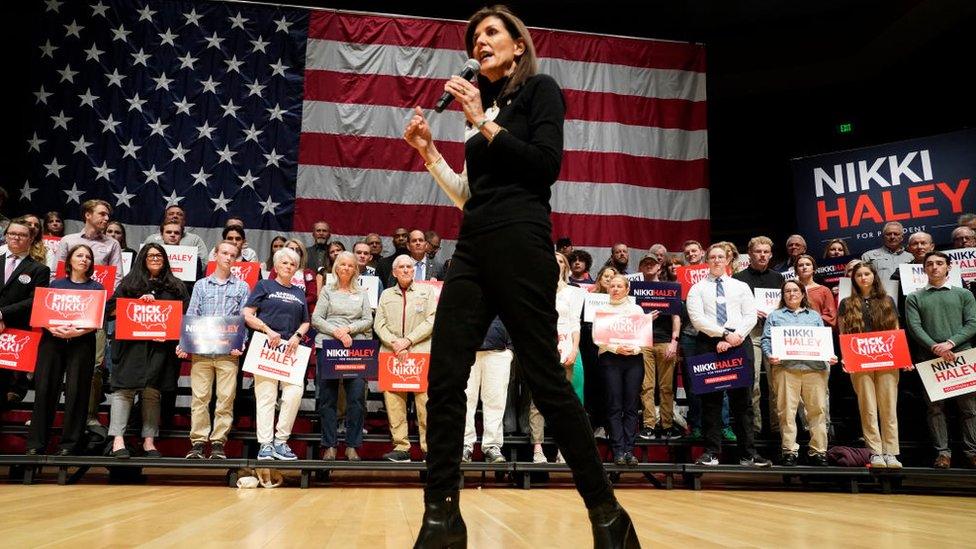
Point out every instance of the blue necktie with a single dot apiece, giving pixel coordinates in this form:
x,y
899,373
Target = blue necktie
x,y
720,314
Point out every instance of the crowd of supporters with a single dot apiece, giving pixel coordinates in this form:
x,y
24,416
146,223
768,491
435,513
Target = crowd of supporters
x,y
312,290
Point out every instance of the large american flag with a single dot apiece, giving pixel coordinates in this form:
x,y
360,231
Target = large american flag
x,y
286,116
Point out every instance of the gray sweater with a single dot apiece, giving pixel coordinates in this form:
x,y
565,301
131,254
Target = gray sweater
x,y
336,309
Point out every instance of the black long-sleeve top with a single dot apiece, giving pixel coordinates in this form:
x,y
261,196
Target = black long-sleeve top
x,y
511,178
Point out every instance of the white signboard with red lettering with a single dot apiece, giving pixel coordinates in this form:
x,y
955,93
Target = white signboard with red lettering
x,y
964,259
183,261
594,302
767,299
142,320
913,277
802,342
266,360
79,308
944,379
18,349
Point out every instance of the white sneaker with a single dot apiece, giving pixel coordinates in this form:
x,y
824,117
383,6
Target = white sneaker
x,y
559,457
877,461
600,432
539,457
891,461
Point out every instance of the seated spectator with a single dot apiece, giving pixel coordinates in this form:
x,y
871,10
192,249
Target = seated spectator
x,y
404,323
342,313
68,353
623,372
580,262
221,294
798,380
278,309
145,367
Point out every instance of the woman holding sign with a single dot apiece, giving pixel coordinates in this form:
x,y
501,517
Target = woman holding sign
x,y
277,309
798,380
65,352
148,367
623,373
342,313
513,152
870,309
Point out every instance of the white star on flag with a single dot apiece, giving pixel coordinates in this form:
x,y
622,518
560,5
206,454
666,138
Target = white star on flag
x,y
115,78
233,65
237,21
268,206
276,113
47,50
99,9
273,158
123,197
226,155
158,128
74,29
168,37
108,125
130,149
152,175
74,195
282,25
52,5
179,152
192,18
61,121
255,88
145,14
42,96
213,41
200,178
120,34
162,82
187,61
67,74
35,143
220,203
259,44
230,109
93,53
26,191
81,146
140,58
206,130
173,199
247,180
252,133
210,85
88,98
183,106
54,168
135,103
103,171
278,68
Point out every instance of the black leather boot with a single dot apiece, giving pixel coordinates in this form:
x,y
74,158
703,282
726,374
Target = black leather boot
x,y
443,526
612,528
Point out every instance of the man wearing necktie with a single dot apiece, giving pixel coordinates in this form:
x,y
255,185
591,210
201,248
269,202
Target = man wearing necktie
x,y
20,275
723,310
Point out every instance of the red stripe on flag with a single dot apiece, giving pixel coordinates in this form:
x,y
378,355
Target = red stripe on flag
x,y
406,92
449,35
583,229
377,217
384,153
353,151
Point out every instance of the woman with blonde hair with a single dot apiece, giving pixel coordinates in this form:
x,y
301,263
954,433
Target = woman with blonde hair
x,y
343,314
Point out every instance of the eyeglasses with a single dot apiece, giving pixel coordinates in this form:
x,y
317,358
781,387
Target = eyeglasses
x,y
18,235
154,256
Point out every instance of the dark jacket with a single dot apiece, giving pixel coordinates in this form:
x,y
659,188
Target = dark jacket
x,y
17,295
141,364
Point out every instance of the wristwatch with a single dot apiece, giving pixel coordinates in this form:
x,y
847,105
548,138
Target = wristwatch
x,y
726,333
479,125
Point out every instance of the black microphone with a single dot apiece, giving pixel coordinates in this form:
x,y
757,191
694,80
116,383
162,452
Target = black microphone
x,y
471,68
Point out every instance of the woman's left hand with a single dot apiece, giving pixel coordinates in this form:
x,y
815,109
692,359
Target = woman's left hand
x,y
292,345
148,298
468,96
346,340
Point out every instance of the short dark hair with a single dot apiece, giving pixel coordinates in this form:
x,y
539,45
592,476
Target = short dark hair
x,y
563,242
937,254
235,228
583,256
164,223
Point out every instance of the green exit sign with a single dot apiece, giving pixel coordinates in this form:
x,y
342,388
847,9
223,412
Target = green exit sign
x,y
846,127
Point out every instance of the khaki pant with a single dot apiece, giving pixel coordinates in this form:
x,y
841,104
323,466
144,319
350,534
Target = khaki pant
x,y
877,400
810,387
537,423
761,362
265,396
203,371
658,372
396,413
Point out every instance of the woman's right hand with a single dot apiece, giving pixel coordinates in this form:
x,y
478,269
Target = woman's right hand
x,y
274,338
417,133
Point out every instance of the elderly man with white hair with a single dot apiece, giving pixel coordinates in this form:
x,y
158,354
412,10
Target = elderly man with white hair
x,y
404,323
963,237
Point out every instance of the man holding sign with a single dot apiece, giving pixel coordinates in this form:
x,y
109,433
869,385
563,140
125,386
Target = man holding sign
x,y
219,295
798,380
404,323
723,310
942,320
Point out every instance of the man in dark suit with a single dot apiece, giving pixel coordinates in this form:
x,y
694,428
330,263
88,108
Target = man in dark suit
x,y
19,276
384,265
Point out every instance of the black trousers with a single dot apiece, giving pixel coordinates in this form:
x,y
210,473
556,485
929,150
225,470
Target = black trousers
x,y
71,359
740,407
510,272
623,376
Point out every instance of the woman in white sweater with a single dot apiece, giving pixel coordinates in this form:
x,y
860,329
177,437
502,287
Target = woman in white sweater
x,y
623,372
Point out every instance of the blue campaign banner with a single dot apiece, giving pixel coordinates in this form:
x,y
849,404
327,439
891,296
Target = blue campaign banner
x,y
923,183
212,335
657,296
830,270
338,362
716,372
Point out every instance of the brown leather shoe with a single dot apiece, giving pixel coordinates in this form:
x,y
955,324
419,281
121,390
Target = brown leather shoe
x,y
942,462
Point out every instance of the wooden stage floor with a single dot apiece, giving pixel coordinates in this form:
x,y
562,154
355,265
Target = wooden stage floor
x,y
94,514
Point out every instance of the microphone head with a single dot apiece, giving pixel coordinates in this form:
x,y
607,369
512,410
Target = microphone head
x,y
471,68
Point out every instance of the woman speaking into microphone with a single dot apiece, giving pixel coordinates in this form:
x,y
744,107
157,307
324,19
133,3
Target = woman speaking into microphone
x,y
513,150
